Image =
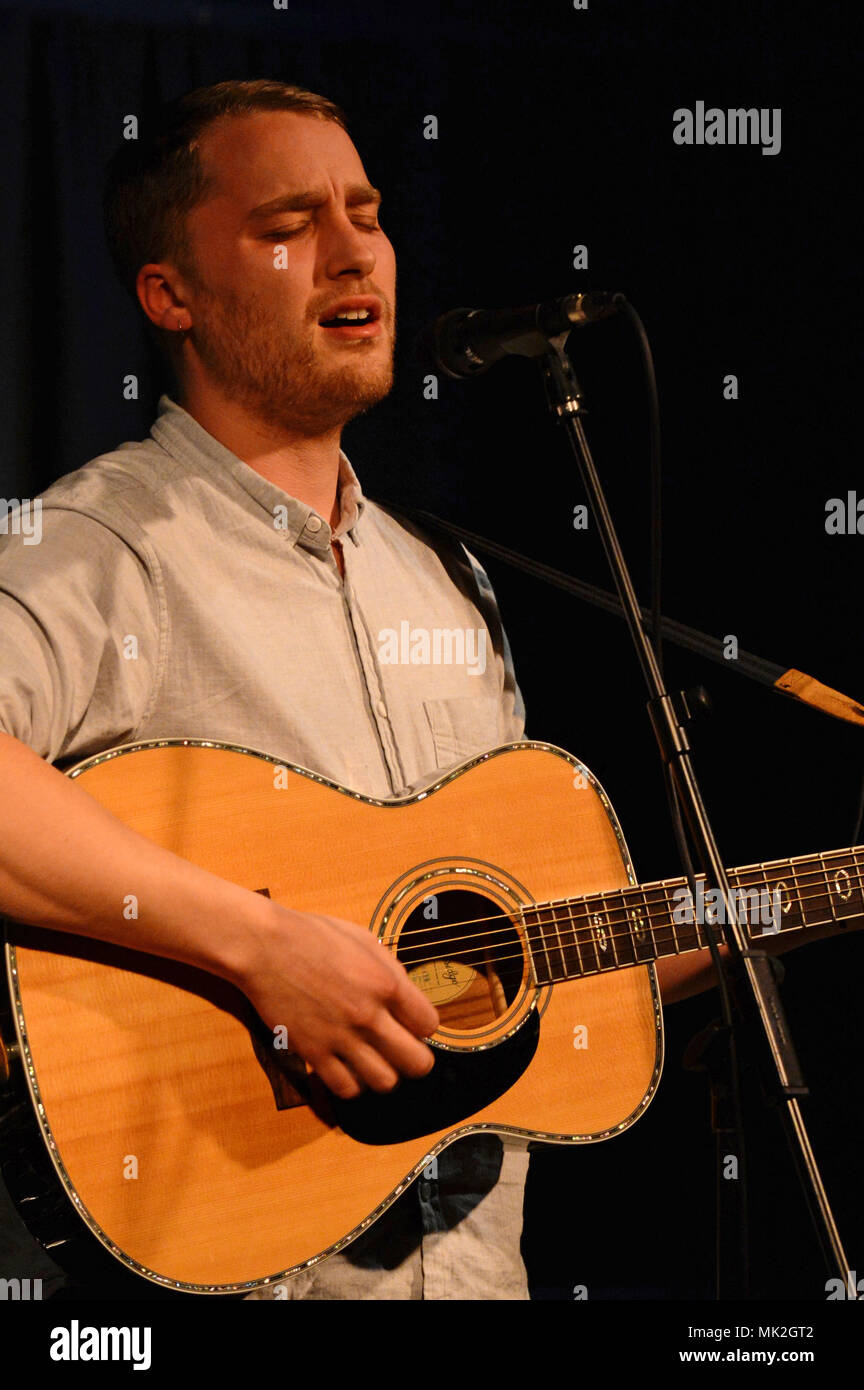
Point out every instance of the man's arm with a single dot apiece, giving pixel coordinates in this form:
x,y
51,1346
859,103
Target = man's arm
x,y
67,863
679,977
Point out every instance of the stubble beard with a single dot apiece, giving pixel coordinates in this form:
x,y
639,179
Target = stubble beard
x,y
280,378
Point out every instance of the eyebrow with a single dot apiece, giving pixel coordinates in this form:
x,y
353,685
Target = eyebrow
x,y
356,194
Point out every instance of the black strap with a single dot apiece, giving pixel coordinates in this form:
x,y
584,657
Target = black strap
x,y
766,672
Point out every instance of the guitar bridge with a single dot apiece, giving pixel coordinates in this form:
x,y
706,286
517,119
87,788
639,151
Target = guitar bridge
x,y
286,1071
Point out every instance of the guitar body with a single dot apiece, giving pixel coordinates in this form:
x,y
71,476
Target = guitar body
x,y
205,1158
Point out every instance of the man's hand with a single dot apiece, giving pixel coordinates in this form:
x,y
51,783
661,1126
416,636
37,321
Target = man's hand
x,y
67,864
346,1003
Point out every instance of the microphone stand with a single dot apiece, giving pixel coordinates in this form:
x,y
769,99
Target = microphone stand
x,y
757,1012
785,680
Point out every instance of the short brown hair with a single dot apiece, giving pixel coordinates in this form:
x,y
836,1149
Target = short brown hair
x,y
153,182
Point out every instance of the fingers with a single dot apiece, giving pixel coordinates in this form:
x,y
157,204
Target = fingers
x,y
370,1067
363,1065
356,1017
412,1009
337,1077
404,1053
405,1001
379,1059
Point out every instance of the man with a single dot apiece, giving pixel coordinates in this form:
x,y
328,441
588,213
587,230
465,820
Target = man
x,y
226,579
236,550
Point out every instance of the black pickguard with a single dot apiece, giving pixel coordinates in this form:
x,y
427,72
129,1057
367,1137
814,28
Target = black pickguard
x,y
459,1084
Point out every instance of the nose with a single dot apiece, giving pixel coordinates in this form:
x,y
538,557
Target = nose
x,y
349,250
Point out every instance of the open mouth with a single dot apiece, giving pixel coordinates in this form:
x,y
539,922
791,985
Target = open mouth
x,y
350,316
353,320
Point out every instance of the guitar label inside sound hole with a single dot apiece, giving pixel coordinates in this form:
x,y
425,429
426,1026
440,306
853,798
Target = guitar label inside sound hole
x,y
465,954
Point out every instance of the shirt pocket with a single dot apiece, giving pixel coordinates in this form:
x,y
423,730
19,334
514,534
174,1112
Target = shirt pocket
x,y
462,727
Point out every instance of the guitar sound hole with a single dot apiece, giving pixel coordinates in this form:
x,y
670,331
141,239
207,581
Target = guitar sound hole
x,y
465,954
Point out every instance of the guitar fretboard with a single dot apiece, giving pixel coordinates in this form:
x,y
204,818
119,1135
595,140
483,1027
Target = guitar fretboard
x,y
630,926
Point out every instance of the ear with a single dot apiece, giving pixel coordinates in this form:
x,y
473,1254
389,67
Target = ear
x,y
162,297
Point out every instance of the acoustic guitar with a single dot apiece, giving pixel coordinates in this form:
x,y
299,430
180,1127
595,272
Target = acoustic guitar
x,y
200,1151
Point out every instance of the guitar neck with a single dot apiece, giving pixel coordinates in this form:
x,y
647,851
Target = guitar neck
x,y
572,937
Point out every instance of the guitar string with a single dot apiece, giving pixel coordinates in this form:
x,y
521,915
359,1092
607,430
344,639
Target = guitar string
x,y
553,904
589,931
496,959
613,917
598,968
585,937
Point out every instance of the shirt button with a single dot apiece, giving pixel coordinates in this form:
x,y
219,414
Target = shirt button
x,y
382,709
314,523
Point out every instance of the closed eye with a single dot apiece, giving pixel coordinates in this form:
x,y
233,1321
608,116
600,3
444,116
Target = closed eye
x,y
287,232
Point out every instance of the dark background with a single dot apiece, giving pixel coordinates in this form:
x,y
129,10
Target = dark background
x,y
555,129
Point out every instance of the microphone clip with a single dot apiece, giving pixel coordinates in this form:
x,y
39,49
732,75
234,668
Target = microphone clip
x,y
563,392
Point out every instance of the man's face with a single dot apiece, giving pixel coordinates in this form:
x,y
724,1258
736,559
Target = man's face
x,y
288,233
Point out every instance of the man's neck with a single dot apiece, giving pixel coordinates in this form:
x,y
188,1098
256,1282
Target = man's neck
x,y
303,465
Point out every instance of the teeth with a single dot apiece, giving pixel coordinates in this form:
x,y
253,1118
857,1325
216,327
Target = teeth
x,y
354,314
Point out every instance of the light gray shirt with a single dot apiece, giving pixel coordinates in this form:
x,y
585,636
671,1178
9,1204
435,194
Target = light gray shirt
x,y
169,590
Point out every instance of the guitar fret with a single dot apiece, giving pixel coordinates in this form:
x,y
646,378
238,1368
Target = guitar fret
x,y
687,935
815,899
642,938
625,942
598,932
589,945
845,886
797,912
779,896
821,858
607,935
552,944
714,912
653,905
556,945
858,866
537,945
575,937
569,948
614,929
611,926
749,891
664,932
671,910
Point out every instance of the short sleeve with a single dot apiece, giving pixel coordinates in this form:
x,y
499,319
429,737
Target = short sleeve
x,y
80,630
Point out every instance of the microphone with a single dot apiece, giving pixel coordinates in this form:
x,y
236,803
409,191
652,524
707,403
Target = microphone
x,y
465,342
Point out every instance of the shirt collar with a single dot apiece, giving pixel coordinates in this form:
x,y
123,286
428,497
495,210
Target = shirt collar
x,y
184,439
